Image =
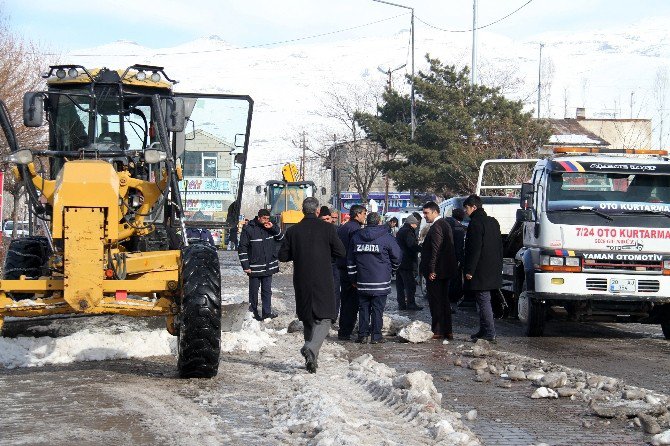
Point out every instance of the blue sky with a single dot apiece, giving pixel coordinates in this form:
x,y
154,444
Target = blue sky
x,y
72,24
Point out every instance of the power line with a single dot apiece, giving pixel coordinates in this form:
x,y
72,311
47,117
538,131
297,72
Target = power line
x,y
260,45
479,27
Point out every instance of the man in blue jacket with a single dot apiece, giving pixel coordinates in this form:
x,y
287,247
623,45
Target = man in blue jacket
x,y
372,256
258,255
348,295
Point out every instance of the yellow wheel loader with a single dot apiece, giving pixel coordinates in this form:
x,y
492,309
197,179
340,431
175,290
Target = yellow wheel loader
x,y
283,198
128,166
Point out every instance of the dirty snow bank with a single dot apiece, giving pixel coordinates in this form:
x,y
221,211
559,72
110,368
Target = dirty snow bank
x,y
366,403
106,338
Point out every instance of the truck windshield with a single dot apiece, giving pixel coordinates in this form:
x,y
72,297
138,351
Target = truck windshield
x,y
608,191
288,197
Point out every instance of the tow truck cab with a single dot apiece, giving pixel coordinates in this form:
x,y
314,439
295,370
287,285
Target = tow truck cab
x,y
594,228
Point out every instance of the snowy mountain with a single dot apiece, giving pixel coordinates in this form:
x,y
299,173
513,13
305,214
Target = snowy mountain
x,y
601,70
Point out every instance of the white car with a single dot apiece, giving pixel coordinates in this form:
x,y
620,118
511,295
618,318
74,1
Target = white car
x,y
21,229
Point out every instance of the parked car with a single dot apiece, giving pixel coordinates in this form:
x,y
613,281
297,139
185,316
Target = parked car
x,y
21,229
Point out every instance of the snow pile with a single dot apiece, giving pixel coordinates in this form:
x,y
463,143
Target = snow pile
x,y
86,345
415,397
365,403
115,338
253,337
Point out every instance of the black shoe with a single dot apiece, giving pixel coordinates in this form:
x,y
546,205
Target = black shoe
x,y
479,334
270,316
310,360
257,316
363,340
343,338
491,340
402,308
414,307
378,341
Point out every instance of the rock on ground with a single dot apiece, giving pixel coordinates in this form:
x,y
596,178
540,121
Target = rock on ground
x,y
553,380
662,439
544,392
649,424
416,332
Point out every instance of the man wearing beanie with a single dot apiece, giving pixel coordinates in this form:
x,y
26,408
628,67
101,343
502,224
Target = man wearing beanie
x,y
404,281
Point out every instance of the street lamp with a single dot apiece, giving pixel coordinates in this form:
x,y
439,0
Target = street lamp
x,y
411,104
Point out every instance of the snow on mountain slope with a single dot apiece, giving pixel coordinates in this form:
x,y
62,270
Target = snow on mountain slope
x,y
597,69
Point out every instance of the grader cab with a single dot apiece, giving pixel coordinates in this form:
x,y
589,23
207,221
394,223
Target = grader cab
x,y
128,163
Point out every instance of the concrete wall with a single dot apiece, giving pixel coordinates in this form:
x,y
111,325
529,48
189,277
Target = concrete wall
x,y
621,133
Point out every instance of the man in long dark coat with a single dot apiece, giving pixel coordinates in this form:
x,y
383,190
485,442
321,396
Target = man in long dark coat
x,y
405,276
483,263
438,265
310,245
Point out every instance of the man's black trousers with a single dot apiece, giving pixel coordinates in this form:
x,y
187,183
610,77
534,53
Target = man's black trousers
x,y
265,284
440,309
405,288
348,305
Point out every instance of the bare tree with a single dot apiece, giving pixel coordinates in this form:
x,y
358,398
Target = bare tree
x,y
660,93
548,69
20,63
358,159
501,75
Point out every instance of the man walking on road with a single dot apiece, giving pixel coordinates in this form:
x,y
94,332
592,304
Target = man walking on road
x,y
405,276
310,245
372,257
438,265
258,255
348,296
483,263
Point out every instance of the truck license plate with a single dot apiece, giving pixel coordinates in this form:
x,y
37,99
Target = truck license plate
x,y
622,286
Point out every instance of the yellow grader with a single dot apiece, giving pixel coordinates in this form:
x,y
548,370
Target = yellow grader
x,y
110,193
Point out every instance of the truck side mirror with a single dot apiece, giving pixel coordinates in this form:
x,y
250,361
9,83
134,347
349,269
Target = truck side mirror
x,y
323,191
527,191
176,115
33,109
259,189
239,158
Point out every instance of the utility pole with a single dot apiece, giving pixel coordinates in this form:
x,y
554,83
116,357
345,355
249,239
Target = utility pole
x,y
539,82
336,176
473,74
411,105
302,159
631,104
386,186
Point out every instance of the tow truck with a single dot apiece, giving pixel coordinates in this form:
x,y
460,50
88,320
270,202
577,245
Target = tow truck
x,y
593,238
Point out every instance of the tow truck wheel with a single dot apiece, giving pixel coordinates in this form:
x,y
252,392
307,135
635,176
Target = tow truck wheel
x,y
665,326
199,344
532,314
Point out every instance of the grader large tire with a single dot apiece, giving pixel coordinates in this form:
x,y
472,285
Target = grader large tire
x,y
28,257
199,344
665,326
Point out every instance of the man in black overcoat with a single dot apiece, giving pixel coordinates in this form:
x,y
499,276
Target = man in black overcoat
x,y
405,281
438,265
310,245
483,263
